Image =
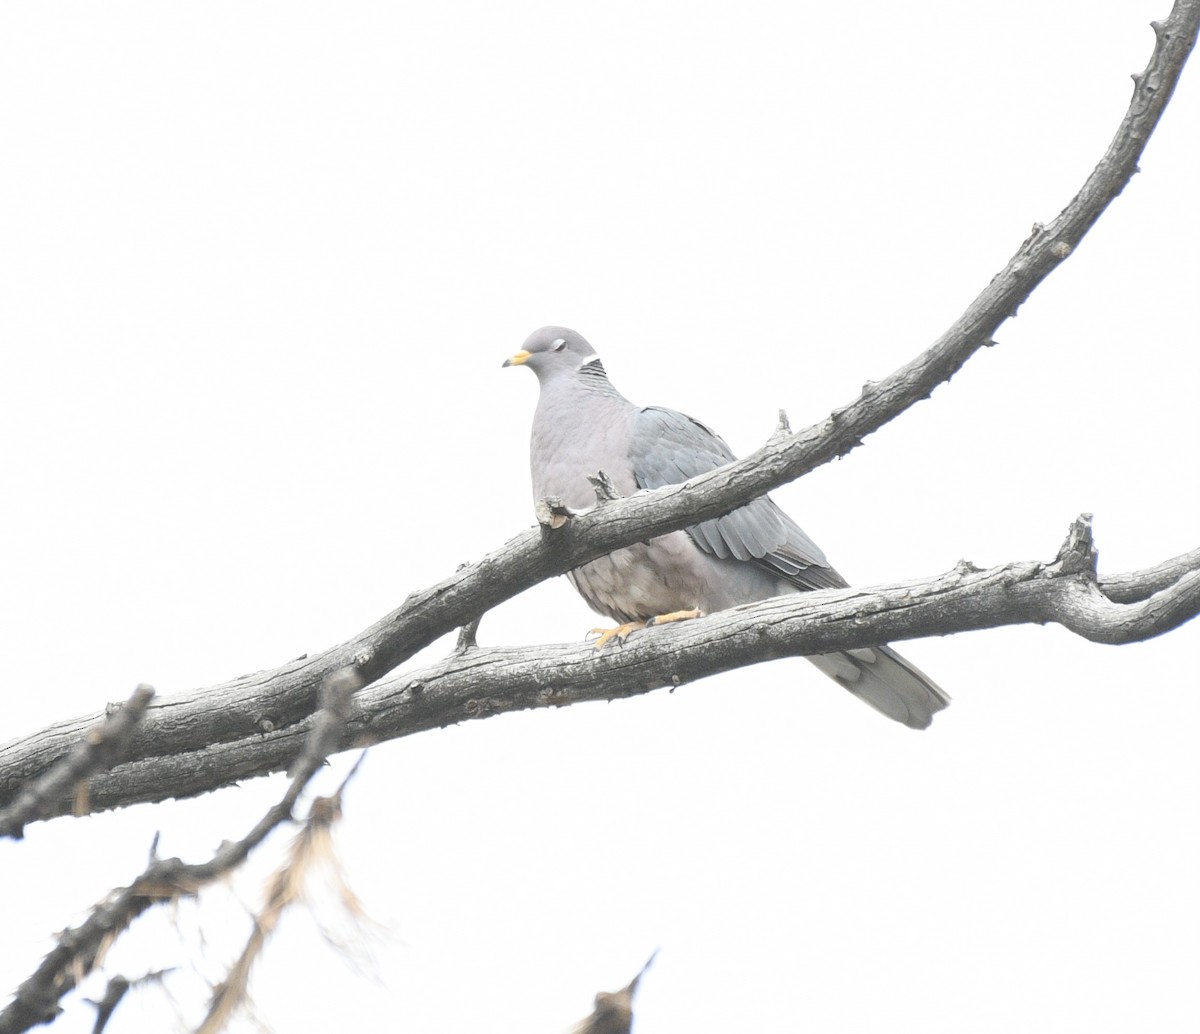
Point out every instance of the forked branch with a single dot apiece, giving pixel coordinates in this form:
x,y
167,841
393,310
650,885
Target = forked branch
x,y
79,949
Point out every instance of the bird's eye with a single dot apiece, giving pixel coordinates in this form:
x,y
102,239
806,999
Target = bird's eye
x,y
559,344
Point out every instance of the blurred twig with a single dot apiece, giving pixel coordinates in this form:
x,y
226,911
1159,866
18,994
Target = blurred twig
x,y
311,847
613,1011
100,748
81,949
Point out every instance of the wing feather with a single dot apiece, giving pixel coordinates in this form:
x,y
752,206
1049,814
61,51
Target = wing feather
x,y
668,447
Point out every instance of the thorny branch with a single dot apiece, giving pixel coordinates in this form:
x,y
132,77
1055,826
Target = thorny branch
x,y
81,948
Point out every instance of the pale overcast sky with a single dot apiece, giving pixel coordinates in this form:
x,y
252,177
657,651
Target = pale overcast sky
x,y
259,266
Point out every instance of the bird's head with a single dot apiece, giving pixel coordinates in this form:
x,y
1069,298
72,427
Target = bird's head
x,y
555,352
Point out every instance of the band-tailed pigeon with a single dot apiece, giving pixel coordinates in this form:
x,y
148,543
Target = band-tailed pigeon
x,y
583,425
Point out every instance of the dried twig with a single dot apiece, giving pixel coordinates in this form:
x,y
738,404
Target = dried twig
x,y
116,990
311,847
613,1011
81,949
100,748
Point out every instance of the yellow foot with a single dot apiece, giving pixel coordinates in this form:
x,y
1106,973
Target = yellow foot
x,y
622,632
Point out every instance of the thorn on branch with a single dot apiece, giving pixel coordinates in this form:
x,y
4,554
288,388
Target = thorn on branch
x,y
1078,555
783,429
602,485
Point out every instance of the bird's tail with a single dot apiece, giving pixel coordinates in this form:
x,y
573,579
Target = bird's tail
x,y
879,676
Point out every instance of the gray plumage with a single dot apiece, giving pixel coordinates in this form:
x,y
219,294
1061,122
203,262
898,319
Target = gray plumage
x,y
583,424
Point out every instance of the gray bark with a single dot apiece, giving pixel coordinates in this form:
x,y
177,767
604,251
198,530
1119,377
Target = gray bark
x,y
190,744
198,741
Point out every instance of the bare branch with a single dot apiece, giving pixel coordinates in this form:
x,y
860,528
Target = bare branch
x,y
277,705
115,991
100,748
613,1012
486,681
1138,585
81,948
311,847
492,681
466,636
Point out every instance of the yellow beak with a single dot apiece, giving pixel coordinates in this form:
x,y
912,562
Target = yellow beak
x,y
516,360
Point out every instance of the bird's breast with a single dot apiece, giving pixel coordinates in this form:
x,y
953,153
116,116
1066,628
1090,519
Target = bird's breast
x,y
571,441
642,580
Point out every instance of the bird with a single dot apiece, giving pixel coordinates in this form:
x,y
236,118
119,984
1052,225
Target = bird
x,y
583,425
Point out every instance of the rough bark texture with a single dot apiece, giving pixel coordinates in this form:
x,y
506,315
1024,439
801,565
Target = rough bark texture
x,y
173,752
99,749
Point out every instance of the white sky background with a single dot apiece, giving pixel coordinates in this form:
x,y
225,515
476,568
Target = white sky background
x,y
259,266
